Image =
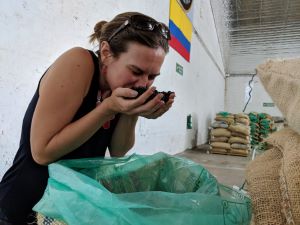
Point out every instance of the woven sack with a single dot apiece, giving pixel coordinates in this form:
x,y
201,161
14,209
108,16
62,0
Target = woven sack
x,y
240,152
239,146
218,139
243,121
274,180
219,150
220,132
238,140
220,145
288,141
221,124
236,134
281,79
228,120
262,175
239,129
241,115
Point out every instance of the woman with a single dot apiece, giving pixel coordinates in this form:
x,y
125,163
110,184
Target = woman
x,y
85,104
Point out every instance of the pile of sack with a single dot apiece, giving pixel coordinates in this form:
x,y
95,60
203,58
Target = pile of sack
x,y
261,126
230,134
273,178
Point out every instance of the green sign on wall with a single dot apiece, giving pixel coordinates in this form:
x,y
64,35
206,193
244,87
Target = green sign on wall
x,y
268,104
179,69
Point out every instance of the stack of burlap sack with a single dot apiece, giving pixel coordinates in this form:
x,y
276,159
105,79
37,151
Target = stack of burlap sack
x,y
230,134
261,126
273,178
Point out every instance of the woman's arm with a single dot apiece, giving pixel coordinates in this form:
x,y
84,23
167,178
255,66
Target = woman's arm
x,y
61,92
124,135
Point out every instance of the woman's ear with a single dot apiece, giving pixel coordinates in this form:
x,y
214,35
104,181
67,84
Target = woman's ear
x,y
105,51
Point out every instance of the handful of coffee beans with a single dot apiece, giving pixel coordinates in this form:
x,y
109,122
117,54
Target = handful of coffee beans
x,y
141,90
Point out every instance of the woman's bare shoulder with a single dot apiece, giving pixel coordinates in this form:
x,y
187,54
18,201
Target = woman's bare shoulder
x,y
78,55
76,65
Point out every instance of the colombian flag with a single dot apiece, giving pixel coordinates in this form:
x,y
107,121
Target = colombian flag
x,y
181,30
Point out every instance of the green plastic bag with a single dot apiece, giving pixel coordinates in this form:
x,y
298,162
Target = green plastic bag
x,y
140,190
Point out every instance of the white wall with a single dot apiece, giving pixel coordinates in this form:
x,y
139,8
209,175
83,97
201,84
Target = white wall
x,y
34,33
237,96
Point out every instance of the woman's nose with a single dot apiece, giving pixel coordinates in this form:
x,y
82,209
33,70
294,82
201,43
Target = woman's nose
x,y
143,81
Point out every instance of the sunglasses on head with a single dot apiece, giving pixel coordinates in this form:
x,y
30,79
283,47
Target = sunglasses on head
x,y
140,22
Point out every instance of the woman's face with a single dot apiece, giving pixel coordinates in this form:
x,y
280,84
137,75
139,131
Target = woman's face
x,y
138,67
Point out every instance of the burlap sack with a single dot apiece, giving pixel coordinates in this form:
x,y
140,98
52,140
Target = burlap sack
x,y
222,145
239,146
220,132
219,150
239,152
221,124
274,180
262,175
236,134
228,120
242,118
238,140
288,142
218,139
239,129
243,121
281,79
241,115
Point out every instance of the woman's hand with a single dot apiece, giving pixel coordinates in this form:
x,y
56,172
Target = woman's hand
x,y
159,109
121,101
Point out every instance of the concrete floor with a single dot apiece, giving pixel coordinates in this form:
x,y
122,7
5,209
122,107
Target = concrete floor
x,y
229,170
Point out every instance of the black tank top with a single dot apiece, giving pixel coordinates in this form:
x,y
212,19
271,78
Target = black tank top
x,y
24,183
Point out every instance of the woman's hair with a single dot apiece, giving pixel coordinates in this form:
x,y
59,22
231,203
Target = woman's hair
x,y
119,43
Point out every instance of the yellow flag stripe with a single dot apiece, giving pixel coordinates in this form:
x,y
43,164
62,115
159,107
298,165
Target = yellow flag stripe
x,y
181,20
